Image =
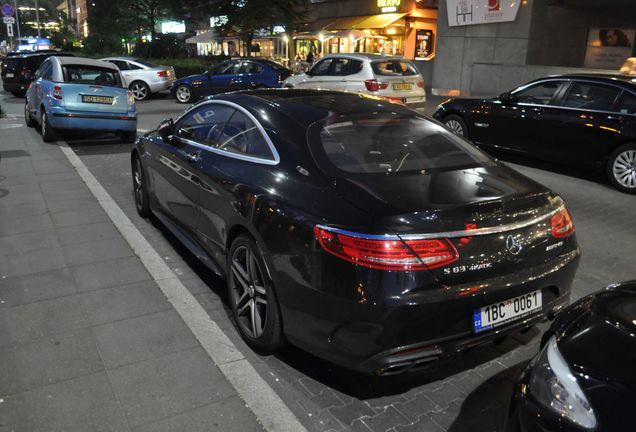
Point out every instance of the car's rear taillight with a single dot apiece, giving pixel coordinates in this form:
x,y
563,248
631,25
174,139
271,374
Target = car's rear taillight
x,y
56,92
130,98
561,223
420,84
390,254
375,85
163,74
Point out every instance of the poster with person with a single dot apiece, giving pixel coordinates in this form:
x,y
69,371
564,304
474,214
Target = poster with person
x,y
424,40
607,48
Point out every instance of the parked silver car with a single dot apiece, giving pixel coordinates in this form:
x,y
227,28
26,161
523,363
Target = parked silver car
x,y
390,77
143,78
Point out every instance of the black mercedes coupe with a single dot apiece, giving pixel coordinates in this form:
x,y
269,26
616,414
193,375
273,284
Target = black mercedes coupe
x,y
355,228
584,378
586,120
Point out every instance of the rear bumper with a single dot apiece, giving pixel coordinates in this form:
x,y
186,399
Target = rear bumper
x,y
93,121
15,87
415,331
159,86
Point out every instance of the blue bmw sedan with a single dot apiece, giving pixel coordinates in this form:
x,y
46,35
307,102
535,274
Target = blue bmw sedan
x,y
80,94
231,75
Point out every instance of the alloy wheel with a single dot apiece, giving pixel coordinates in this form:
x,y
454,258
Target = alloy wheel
x,y
139,91
249,293
455,126
624,169
183,94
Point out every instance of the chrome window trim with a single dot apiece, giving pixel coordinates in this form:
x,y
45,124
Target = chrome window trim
x,y
447,234
246,158
570,80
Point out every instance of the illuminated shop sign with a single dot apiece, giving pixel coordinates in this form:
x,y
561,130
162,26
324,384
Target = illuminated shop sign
x,y
388,5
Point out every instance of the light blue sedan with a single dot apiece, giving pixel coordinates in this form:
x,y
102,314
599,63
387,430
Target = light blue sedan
x,y
80,94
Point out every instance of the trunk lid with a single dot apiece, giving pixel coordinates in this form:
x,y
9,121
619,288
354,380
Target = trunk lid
x,y
496,219
95,98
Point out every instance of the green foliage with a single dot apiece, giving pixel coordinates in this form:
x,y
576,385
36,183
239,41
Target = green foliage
x,y
102,45
168,46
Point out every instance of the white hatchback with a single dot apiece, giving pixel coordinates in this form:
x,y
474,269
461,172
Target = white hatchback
x,y
390,77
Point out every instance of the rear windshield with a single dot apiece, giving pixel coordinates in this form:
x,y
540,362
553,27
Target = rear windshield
x,y
96,75
386,144
276,66
394,67
146,63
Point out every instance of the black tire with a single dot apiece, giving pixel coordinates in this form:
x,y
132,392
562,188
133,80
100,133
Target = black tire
x,y
140,90
183,93
48,133
129,137
456,124
27,117
140,188
621,168
248,287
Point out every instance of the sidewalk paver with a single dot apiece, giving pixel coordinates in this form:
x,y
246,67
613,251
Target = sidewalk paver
x,y
88,342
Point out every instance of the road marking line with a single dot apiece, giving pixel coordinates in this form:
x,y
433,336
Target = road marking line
x,y
269,409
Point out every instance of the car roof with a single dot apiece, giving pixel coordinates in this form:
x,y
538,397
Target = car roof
x,y
306,106
83,61
126,58
366,56
597,76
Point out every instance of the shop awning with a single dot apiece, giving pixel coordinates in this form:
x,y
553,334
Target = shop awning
x,y
345,23
378,21
316,25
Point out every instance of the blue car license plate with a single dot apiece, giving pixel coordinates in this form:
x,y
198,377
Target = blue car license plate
x,y
494,315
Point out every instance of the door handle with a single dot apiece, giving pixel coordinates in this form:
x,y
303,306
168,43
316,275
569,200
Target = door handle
x,y
615,118
193,157
537,110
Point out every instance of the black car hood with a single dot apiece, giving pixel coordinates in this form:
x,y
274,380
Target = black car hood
x,y
447,200
599,339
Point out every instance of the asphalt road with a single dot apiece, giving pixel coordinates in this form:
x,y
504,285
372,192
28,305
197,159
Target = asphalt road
x,y
470,394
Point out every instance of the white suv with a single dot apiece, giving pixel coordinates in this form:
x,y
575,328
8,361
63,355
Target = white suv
x,y
390,77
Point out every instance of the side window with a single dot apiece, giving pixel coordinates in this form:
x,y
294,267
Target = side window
x,y
541,93
242,136
627,103
133,66
341,67
204,124
356,66
47,73
322,67
229,68
122,65
590,96
250,67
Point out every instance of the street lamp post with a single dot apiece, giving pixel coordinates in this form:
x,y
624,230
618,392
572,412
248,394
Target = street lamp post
x,y
286,40
37,17
17,17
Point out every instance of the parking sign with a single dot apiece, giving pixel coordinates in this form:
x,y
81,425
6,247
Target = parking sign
x,y
7,10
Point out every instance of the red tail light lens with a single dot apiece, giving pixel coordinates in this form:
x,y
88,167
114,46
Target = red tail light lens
x,y
375,85
56,92
561,223
420,84
163,74
391,254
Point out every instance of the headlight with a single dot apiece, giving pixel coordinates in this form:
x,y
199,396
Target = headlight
x,y
131,98
554,386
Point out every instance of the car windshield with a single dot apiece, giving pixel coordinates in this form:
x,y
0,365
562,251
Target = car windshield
x,y
394,67
84,74
389,144
145,63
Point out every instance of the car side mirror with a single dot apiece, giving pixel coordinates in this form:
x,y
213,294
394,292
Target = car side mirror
x,y
507,97
166,128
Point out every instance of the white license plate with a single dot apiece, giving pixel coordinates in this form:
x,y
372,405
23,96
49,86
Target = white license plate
x,y
494,315
9,75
